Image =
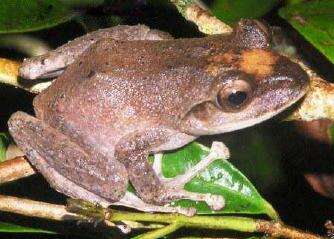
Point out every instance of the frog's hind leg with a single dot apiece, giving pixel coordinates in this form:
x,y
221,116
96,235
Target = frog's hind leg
x,y
133,150
65,165
54,62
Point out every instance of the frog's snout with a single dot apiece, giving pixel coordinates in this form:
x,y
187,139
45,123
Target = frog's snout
x,y
26,71
291,76
286,84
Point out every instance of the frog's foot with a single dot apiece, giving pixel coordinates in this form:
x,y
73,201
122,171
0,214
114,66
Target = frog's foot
x,y
218,150
132,201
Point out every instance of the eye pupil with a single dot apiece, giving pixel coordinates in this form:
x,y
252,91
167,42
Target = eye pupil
x,y
237,98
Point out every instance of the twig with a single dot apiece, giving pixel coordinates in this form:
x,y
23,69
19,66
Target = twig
x,y
9,75
9,72
55,212
196,12
242,224
14,169
277,229
35,209
13,151
319,100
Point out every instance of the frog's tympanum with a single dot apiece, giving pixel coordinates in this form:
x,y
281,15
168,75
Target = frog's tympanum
x,y
128,91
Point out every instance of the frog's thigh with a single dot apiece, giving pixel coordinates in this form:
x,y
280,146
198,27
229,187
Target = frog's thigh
x,y
54,62
65,165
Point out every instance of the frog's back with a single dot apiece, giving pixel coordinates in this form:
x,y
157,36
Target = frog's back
x,y
119,87
112,73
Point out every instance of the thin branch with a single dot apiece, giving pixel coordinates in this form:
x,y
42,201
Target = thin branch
x,y
55,212
196,12
319,100
278,230
242,224
176,221
9,72
14,169
13,151
9,75
35,209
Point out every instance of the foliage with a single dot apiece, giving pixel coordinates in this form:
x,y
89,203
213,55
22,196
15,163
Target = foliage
x,y
315,21
4,141
13,228
220,178
23,16
231,11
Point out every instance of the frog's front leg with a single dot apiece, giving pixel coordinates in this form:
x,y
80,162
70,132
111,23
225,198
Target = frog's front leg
x,y
66,166
54,62
133,151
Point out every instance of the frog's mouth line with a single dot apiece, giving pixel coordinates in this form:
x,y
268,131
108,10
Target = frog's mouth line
x,y
248,123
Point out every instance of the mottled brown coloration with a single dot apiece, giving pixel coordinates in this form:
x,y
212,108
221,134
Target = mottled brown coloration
x,y
121,100
229,58
213,70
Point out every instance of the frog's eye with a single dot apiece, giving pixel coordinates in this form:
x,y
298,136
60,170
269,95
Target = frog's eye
x,y
234,96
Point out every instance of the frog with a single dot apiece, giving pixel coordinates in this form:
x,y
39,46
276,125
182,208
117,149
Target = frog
x,y
126,92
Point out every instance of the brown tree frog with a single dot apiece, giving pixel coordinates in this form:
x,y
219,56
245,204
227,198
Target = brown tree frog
x,y
128,91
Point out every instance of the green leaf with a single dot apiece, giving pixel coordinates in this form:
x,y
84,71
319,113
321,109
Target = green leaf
x,y
315,21
231,11
12,228
221,178
4,141
31,15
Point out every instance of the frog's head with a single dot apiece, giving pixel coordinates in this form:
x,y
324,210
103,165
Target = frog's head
x,y
251,84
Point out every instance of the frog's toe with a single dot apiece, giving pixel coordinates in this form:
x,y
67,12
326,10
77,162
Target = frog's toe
x,y
215,202
132,201
125,229
191,211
